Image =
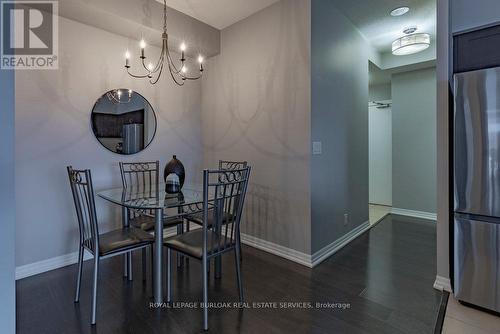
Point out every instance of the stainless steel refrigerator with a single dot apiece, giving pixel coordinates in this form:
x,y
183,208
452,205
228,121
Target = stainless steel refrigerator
x,y
477,188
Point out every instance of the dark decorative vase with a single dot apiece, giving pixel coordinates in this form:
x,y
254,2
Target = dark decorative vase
x,y
174,184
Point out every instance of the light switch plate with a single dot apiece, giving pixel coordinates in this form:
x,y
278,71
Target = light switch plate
x,y
316,148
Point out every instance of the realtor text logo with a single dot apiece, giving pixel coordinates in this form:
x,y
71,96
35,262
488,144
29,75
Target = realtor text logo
x,y
29,34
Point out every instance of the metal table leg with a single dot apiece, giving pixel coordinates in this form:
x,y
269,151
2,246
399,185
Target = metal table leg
x,y
158,261
180,258
125,223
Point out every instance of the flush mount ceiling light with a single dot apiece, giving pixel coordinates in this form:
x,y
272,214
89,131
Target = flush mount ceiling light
x,y
152,71
411,43
400,11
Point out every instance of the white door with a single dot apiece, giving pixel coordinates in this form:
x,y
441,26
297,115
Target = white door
x,y
380,154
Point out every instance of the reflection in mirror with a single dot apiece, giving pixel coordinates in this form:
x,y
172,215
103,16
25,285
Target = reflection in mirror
x,y
123,121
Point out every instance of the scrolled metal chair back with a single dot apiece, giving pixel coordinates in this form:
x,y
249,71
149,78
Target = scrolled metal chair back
x,y
142,176
140,179
83,197
224,191
232,165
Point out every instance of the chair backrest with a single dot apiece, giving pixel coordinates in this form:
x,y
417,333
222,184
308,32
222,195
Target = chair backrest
x,y
232,165
224,191
83,197
140,175
140,178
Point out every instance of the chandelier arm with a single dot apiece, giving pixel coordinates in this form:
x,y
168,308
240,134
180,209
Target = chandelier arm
x,y
171,62
157,66
139,76
192,78
158,76
179,72
174,77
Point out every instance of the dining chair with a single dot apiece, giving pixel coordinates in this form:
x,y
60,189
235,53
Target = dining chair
x,y
223,192
143,177
197,218
100,246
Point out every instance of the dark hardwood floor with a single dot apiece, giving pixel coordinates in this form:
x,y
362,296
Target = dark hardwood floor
x,y
385,276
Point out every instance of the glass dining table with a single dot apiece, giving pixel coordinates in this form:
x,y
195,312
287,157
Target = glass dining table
x,y
160,204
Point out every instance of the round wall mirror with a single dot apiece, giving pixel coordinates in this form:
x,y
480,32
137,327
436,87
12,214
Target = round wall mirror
x,y
123,121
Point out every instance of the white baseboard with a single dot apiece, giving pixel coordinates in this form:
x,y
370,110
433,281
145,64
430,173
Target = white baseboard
x,y
264,245
279,250
338,244
300,257
61,261
413,213
48,265
442,283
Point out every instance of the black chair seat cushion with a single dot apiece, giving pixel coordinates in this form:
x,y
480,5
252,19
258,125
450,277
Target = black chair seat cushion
x,y
123,239
147,223
197,218
191,243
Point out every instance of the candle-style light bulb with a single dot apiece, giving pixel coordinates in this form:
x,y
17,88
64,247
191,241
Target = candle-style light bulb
x,y
183,48
200,60
127,57
150,67
184,69
142,44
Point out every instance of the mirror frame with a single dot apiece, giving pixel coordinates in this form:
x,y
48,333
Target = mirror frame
x,y
93,129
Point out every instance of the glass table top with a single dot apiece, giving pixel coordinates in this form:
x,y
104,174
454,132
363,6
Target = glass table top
x,y
155,197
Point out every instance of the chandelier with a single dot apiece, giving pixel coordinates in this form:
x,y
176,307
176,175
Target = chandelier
x,y
153,71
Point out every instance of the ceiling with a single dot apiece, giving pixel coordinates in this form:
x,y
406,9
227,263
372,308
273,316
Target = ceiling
x,y
373,19
219,13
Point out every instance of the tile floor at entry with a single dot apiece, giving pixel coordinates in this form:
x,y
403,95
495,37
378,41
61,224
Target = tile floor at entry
x,y
460,319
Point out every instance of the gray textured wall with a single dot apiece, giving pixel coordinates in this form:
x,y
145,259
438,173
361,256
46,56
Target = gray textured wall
x,y
7,204
53,130
466,14
339,119
380,92
414,140
256,107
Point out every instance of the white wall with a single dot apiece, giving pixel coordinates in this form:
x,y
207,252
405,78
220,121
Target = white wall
x,y
53,130
380,155
414,140
256,107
